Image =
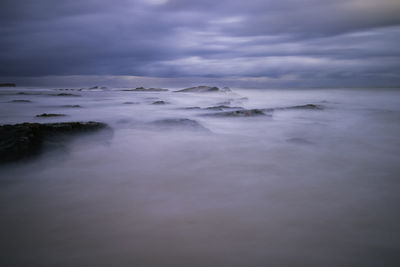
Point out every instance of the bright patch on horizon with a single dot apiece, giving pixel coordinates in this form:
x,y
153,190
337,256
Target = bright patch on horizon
x,y
155,2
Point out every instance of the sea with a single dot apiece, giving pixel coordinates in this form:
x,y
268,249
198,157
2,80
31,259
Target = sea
x,y
177,180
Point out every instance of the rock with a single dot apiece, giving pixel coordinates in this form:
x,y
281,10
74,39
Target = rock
x,y
104,88
223,107
64,94
28,93
142,89
199,89
50,115
189,108
181,124
240,113
307,106
8,85
94,87
21,101
130,103
159,102
71,106
23,140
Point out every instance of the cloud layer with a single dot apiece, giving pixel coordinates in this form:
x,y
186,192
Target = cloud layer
x,y
325,43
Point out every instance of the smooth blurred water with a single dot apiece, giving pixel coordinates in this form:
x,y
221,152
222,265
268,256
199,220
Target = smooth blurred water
x,y
300,188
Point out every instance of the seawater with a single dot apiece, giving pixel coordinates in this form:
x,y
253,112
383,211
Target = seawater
x,y
298,188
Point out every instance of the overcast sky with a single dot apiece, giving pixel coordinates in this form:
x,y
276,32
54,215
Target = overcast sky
x,y
254,43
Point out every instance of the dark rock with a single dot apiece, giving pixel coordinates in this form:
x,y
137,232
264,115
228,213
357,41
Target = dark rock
x,y
307,106
94,87
130,103
28,93
71,106
189,108
240,113
19,141
104,87
142,89
21,101
180,124
160,102
8,85
50,115
64,94
199,89
223,107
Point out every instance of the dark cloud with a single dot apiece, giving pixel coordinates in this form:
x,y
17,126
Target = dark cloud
x,y
353,41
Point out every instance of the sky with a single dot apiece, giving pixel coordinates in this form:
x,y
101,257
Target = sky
x,y
255,43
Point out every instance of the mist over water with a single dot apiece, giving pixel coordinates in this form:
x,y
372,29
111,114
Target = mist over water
x,y
298,188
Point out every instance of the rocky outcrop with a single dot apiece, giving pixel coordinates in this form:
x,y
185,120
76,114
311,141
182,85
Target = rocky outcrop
x,y
8,85
160,102
64,94
190,108
306,107
23,140
142,89
223,107
20,101
71,106
240,113
203,89
28,93
50,115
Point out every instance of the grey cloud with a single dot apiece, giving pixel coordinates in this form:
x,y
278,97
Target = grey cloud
x,y
333,41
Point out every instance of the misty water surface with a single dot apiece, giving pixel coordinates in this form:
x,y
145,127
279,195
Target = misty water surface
x,y
298,188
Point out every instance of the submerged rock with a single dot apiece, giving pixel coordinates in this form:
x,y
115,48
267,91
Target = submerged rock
x,y
19,141
180,123
160,102
190,108
142,89
8,85
130,103
200,89
20,101
28,93
306,106
50,115
223,107
240,113
71,106
64,94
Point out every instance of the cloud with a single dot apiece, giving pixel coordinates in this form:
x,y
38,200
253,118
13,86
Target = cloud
x,y
332,41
